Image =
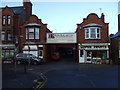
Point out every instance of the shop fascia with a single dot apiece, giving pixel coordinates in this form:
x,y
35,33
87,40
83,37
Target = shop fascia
x,y
94,46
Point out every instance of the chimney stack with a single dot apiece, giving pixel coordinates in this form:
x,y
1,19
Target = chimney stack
x,y
28,8
102,17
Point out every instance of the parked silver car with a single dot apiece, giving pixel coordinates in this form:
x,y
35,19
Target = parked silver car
x,y
28,58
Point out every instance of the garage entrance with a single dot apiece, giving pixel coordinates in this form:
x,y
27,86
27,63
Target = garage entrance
x,y
66,52
64,46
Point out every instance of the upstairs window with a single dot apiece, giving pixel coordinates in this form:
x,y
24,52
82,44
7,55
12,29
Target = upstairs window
x,y
32,33
3,36
92,33
3,19
9,35
8,19
36,33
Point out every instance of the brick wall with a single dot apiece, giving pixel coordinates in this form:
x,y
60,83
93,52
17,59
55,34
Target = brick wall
x,y
92,18
114,49
43,30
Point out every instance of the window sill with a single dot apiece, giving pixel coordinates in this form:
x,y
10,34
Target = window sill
x,y
92,38
32,39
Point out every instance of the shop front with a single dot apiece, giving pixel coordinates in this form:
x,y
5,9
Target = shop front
x,y
64,46
8,52
34,49
94,53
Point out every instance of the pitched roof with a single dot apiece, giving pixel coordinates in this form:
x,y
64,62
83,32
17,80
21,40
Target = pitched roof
x,y
17,10
116,35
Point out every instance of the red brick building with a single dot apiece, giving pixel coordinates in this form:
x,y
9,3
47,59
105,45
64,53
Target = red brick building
x,y
12,18
21,29
115,45
92,39
23,32
34,33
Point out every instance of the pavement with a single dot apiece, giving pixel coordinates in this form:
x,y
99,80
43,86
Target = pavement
x,y
18,79
62,75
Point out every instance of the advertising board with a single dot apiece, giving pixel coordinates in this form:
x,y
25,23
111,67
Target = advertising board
x,y
61,38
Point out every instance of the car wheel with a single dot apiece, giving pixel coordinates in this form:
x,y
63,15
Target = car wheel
x,y
18,62
35,62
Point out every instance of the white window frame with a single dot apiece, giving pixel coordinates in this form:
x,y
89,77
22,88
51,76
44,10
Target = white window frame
x,y
3,19
8,19
37,33
3,36
27,35
9,34
88,35
32,33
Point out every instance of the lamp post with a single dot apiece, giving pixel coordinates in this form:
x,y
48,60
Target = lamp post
x,y
15,50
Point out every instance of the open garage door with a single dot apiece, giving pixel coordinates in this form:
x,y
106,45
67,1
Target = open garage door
x,y
66,52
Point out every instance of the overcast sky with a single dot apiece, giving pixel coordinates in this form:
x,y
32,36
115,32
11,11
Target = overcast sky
x,y
62,17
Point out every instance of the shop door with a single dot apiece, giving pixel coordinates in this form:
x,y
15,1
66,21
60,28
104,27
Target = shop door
x,y
41,54
81,56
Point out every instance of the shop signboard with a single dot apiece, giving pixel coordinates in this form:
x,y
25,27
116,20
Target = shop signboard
x,y
61,38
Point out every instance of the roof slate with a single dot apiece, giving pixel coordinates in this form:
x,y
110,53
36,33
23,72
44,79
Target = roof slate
x,y
17,10
116,35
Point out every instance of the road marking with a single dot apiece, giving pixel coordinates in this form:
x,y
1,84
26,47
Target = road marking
x,y
93,84
30,69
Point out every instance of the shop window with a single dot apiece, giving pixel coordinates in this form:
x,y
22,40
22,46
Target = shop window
x,y
92,33
7,54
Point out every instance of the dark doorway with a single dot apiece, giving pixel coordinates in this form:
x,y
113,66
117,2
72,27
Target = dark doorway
x,y
66,52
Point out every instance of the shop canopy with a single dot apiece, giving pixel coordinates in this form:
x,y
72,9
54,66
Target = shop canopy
x,y
30,47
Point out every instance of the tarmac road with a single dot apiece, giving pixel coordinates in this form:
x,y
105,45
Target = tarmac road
x,y
82,76
63,75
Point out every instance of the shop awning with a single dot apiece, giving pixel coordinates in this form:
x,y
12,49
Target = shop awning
x,y
33,43
30,47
